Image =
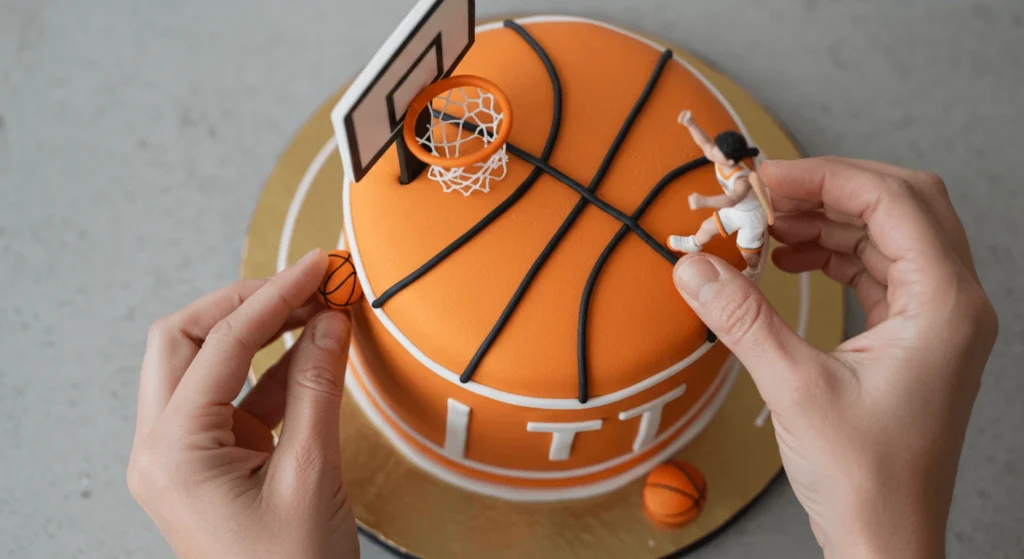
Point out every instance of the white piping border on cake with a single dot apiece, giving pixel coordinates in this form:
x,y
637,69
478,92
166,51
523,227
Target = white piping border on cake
x,y
486,391
520,494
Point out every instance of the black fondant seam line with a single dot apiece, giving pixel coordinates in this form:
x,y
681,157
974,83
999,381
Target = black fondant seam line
x,y
588,288
689,477
590,197
595,182
517,194
571,183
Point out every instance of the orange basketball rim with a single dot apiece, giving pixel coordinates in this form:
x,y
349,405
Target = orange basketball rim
x,y
427,95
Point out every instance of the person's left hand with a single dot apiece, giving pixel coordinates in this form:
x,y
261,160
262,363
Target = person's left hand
x,y
208,473
697,201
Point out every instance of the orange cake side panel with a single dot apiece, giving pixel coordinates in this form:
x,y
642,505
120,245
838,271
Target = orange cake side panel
x,y
497,433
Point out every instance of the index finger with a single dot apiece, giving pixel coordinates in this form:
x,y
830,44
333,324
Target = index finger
x,y
899,224
175,340
219,370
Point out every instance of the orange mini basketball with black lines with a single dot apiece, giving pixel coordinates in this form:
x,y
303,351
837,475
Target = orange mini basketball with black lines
x,y
674,493
340,287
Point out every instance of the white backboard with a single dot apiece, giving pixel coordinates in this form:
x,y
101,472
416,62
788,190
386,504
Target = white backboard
x,y
425,47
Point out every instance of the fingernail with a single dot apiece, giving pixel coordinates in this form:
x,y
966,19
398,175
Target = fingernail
x,y
311,255
329,331
693,275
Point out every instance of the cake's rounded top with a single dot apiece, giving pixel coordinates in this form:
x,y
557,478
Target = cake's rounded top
x,y
572,86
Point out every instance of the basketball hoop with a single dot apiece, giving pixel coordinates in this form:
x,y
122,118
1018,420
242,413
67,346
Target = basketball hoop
x,y
464,142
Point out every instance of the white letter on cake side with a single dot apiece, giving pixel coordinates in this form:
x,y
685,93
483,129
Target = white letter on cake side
x,y
562,435
456,429
650,421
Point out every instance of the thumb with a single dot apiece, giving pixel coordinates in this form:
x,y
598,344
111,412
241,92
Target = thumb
x,y
740,315
316,381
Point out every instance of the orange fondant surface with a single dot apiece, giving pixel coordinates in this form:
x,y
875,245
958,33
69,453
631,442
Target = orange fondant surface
x,y
638,324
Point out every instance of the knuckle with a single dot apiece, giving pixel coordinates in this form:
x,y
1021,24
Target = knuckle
x,y
322,379
991,319
302,470
857,277
982,313
281,303
975,311
145,474
134,481
931,181
159,329
899,185
740,314
862,245
226,332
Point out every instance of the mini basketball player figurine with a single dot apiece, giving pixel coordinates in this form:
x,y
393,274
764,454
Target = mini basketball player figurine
x,y
743,207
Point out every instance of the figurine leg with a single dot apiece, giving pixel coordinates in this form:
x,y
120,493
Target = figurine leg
x,y
707,231
694,243
753,260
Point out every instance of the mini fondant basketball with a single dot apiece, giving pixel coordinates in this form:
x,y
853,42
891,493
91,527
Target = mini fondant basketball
x,y
674,493
341,286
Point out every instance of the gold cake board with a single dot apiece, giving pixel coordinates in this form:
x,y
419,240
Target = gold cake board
x,y
416,514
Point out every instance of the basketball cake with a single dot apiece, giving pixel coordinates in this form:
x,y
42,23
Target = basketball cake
x,y
509,190
504,202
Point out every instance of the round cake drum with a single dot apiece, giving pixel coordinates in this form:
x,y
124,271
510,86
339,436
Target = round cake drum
x,y
400,494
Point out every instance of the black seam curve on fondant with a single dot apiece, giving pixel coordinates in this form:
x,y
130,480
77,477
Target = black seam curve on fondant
x,y
589,197
467,374
674,489
571,183
700,488
588,288
549,145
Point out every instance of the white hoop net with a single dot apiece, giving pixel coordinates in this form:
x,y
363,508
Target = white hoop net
x,y
463,121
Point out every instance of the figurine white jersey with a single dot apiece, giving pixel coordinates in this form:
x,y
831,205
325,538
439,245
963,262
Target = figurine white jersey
x,y
746,216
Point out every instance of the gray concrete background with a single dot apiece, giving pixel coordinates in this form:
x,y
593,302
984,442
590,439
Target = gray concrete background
x,y
135,136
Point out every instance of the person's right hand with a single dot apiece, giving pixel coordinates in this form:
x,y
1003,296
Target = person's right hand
x,y
870,433
686,118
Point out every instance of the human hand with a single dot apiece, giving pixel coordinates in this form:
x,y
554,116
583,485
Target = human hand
x,y
686,118
697,201
870,433
207,473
